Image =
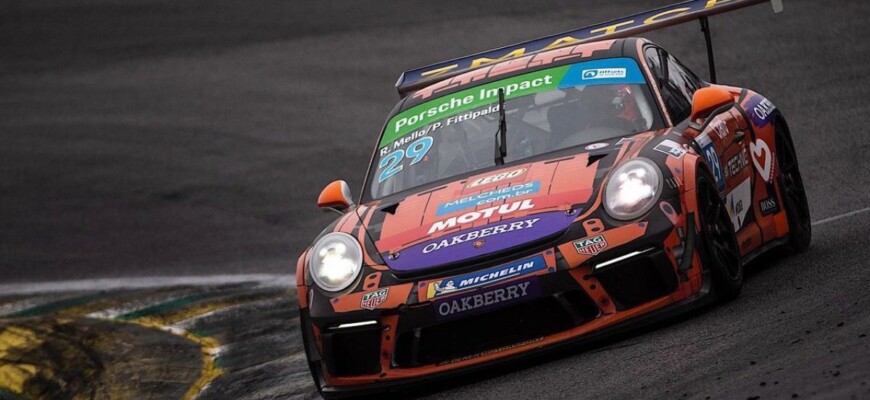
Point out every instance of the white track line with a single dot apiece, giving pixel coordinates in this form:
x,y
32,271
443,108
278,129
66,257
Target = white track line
x,y
85,285
841,216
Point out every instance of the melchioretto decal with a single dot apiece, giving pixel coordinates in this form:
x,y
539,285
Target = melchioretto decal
x,y
468,281
488,197
487,299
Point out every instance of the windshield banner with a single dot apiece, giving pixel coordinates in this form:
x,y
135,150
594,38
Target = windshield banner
x,y
600,72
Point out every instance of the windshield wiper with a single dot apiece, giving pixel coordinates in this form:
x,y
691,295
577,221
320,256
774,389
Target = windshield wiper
x,y
501,133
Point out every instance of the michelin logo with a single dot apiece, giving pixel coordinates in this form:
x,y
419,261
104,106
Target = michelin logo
x,y
604,73
485,277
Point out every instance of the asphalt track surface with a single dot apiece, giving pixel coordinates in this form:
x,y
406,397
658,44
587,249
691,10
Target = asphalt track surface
x,y
144,139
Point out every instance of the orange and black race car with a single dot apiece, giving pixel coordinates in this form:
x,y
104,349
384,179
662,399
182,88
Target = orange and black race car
x,y
544,194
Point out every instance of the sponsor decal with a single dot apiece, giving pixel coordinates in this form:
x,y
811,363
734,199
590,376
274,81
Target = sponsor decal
x,y
596,146
485,95
625,140
762,158
471,216
497,177
501,69
603,73
670,148
590,246
737,163
487,299
488,197
498,236
372,300
485,277
738,202
760,110
471,115
720,128
394,162
709,150
768,206
479,233
472,98
404,141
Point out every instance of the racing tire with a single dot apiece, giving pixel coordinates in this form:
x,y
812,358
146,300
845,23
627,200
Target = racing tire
x,y
720,253
791,187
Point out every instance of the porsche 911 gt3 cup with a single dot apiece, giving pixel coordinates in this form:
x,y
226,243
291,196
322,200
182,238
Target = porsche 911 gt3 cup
x,y
543,194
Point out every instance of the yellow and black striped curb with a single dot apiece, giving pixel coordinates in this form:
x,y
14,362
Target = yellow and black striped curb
x,y
166,343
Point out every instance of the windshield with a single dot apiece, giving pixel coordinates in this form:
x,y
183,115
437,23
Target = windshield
x,y
545,110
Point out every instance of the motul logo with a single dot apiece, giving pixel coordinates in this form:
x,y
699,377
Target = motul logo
x,y
486,213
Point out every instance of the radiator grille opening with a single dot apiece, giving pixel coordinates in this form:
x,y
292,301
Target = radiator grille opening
x,y
469,336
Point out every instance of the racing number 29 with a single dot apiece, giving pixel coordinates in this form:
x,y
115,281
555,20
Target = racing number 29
x,y
392,163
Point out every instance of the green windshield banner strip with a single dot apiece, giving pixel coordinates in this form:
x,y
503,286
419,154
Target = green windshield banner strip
x,y
518,86
472,98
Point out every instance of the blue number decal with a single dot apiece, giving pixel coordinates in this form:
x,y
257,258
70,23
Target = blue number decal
x,y
391,161
713,160
419,149
416,150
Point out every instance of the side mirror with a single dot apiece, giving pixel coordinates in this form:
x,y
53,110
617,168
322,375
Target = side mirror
x,y
709,99
335,196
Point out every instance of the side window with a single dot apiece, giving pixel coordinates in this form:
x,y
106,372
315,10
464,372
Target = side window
x,y
683,80
676,90
654,62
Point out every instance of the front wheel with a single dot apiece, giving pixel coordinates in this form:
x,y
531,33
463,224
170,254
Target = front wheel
x,y
719,251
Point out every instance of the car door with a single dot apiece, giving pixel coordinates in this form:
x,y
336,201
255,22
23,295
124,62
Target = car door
x,y
722,141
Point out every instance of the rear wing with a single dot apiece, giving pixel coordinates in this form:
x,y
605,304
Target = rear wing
x,y
618,28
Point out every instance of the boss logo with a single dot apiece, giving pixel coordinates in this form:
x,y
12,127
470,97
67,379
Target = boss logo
x,y
768,206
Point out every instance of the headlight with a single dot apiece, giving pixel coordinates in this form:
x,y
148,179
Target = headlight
x,y
335,261
632,189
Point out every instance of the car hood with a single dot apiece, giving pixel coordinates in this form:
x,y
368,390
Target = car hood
x,y
480,215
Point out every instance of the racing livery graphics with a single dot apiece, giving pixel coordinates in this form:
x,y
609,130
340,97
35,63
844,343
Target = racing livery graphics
x,y
564,187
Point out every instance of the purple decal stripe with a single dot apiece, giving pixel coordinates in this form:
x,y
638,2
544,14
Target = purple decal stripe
x,y
480,241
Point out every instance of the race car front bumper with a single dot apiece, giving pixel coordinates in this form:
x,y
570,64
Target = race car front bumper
x,y
630,285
